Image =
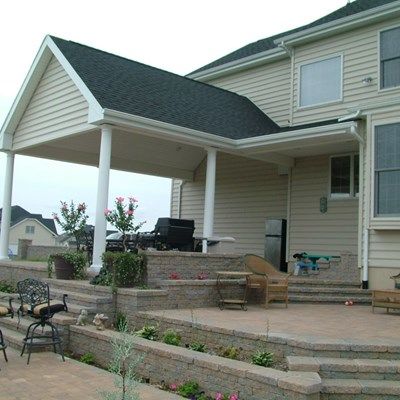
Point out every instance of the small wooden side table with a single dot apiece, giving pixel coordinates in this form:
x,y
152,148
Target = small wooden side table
x,y
235,275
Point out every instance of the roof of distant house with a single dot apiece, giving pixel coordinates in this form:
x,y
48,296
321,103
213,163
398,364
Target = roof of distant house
x,y
18,214
268,43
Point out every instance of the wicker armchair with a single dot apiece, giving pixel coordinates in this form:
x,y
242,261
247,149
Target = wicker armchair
x,y
266,276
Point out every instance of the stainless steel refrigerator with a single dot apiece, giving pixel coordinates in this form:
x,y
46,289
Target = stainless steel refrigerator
x,y
275,243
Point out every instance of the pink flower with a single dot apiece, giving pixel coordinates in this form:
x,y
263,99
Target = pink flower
x,y
55,217
107,211
219,396
133,199
82,207
129,212
234,397
120,200
173,387
174,276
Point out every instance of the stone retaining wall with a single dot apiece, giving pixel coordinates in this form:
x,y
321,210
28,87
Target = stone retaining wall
x,y
14,271
171,364
161,264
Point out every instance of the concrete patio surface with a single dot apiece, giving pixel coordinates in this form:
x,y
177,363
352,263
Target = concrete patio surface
x,y
48,378
329,321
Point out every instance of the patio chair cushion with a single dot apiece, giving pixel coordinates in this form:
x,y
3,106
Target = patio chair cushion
x,y
4,311
41,309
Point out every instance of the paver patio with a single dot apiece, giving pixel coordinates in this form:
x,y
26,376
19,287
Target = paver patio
x,y
330,321
48,378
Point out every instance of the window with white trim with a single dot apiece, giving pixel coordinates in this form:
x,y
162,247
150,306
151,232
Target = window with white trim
x,y
390,58
387,170
344,176
321,82
30,229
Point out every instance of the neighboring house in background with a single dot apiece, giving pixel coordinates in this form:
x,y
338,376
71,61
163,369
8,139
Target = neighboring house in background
x,y
24,225
304,125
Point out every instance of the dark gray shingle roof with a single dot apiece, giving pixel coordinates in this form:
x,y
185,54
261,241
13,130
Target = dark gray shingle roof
x,y
138,89
352,8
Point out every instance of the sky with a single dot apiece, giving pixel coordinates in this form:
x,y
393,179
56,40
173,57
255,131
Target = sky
x,y
176,35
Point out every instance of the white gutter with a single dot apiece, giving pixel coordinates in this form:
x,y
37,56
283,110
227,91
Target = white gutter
x,y
238,65
351,21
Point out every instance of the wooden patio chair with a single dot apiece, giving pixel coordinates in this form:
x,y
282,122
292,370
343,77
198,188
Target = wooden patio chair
x,y
266,276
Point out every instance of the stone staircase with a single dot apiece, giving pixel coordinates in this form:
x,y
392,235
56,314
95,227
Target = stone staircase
x,y
81,295
344,378
309,290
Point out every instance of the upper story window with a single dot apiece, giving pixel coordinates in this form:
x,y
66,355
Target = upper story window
x,y
387,170
344,178
30,229
321,81
390,58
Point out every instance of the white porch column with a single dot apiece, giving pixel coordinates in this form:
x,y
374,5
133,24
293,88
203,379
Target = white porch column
x,y
208,223
6,213
100,229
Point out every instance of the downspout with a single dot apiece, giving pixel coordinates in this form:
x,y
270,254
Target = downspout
x,y
363,231
288,213
178,207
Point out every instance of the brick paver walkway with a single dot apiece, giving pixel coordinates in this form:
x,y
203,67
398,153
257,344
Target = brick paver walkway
x,y
48,378
330,321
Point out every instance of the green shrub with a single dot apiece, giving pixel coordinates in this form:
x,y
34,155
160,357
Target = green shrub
x,y
149,332
172,337
196,346
87,358
123,269
188,389
121,322
263,358
7,287
231,352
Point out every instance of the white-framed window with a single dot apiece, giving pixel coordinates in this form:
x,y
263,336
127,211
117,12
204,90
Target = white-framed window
x,y
344,176
389,44
30,229
387,170
320,81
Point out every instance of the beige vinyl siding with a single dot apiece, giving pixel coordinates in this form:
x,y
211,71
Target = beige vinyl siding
x,y
267,86
331,233
384,245
175,200
56,108
247,192
360,60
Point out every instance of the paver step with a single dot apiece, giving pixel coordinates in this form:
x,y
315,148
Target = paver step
x,y
314,298
310,281
336,290
344,368
78,286
13,338
360,389
85,299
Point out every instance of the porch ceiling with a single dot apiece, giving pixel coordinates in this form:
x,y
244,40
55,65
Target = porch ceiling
x,y
131,152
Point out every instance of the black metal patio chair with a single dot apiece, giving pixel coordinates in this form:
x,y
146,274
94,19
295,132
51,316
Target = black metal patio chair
x,y
5,311
36,303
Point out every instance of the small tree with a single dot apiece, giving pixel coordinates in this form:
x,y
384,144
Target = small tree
x,y
73,220
122,217
125,380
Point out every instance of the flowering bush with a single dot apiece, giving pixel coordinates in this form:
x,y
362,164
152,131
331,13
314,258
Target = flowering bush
x,y
122,217
202,276
73,220
174,276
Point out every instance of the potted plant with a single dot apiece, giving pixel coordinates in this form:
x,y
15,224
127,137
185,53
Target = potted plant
x,y
70,265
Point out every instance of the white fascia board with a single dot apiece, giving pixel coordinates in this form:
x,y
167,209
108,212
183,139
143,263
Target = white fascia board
x,y
168,131
241,64
342,24
34,219
94,106
289,136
